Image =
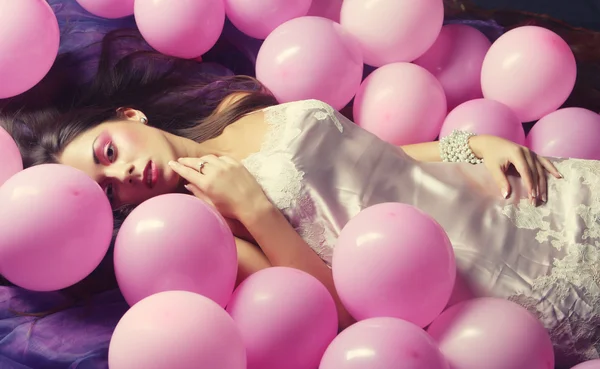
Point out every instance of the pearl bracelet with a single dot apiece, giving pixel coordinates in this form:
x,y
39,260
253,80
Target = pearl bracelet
x,y
455,148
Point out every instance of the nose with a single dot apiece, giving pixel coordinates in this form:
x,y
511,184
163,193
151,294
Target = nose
x,y
122,172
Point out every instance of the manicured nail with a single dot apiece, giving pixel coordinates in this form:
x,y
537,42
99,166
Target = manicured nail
x,y
560,175
505,194
544,198
173,163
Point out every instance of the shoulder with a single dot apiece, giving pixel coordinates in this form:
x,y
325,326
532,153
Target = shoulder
x,y
305,113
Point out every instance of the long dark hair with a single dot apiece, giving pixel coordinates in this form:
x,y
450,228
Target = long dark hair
x,y
171,92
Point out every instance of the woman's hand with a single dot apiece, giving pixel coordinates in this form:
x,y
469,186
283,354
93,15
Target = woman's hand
x,y
498,154
223,182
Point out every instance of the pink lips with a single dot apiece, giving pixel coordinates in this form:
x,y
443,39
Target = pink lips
x,y
150,175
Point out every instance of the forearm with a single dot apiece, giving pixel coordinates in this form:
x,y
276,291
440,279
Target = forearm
x,y
283,246
426,151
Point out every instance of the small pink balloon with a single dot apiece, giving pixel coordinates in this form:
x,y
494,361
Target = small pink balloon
x,y
176,329
401,103
391,31
455,59
413,258
485,117
175,242
530,69
388,342
259,18
493,334
184,29
330,9
111,9
11,163
28,45
286,316
56,225
592,364
319,50
567,133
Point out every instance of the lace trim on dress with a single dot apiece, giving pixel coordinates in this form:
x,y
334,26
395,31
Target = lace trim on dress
x,y
274,169
578,272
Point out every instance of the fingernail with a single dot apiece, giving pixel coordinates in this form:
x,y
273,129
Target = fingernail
x,y
505,194
544,198
533,193
187,187
560,175
533,202
173,163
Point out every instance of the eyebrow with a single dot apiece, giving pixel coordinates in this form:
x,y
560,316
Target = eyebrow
x,y
94,151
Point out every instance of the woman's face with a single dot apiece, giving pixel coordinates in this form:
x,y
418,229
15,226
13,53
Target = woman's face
x,y
127,158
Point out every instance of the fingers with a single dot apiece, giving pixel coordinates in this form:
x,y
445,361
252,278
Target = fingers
x,y
547,164
194,190
542,182
523,167
194,163
188,173
501,180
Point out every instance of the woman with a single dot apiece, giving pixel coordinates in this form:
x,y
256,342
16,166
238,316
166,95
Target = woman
x,y
288,177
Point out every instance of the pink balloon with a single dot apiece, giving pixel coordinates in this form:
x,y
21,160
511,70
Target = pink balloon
x,y
413,258
176,329
530,69
567,133
259,18
592,364
184,29
56,225
286,316
392,31
389,342
318,50
401,103
493,334
28,45
482,116
110,9
175,242
11,163
455,59
330,9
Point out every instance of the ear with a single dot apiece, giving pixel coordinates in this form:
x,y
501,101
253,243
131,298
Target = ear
x,y
132,115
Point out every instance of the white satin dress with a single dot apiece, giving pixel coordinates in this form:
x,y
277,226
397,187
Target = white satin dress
x,y
320,169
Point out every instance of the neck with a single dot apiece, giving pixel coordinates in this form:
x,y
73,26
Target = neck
x,y
186,148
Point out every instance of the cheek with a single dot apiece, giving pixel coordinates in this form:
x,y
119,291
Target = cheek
x,y
130,140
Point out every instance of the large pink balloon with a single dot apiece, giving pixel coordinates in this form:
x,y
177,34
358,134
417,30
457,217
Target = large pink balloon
x,y
184,28
259,18
413,258
28,45
110,9
310,58
455,59
286,316
55,226
401,103
386,343
392,31
11,162
175,242
493,334
179,330
567,133
592,364
330,9
530,69
482,116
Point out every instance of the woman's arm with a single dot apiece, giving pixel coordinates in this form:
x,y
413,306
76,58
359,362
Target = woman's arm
x,y
426,151
250,259
283,246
